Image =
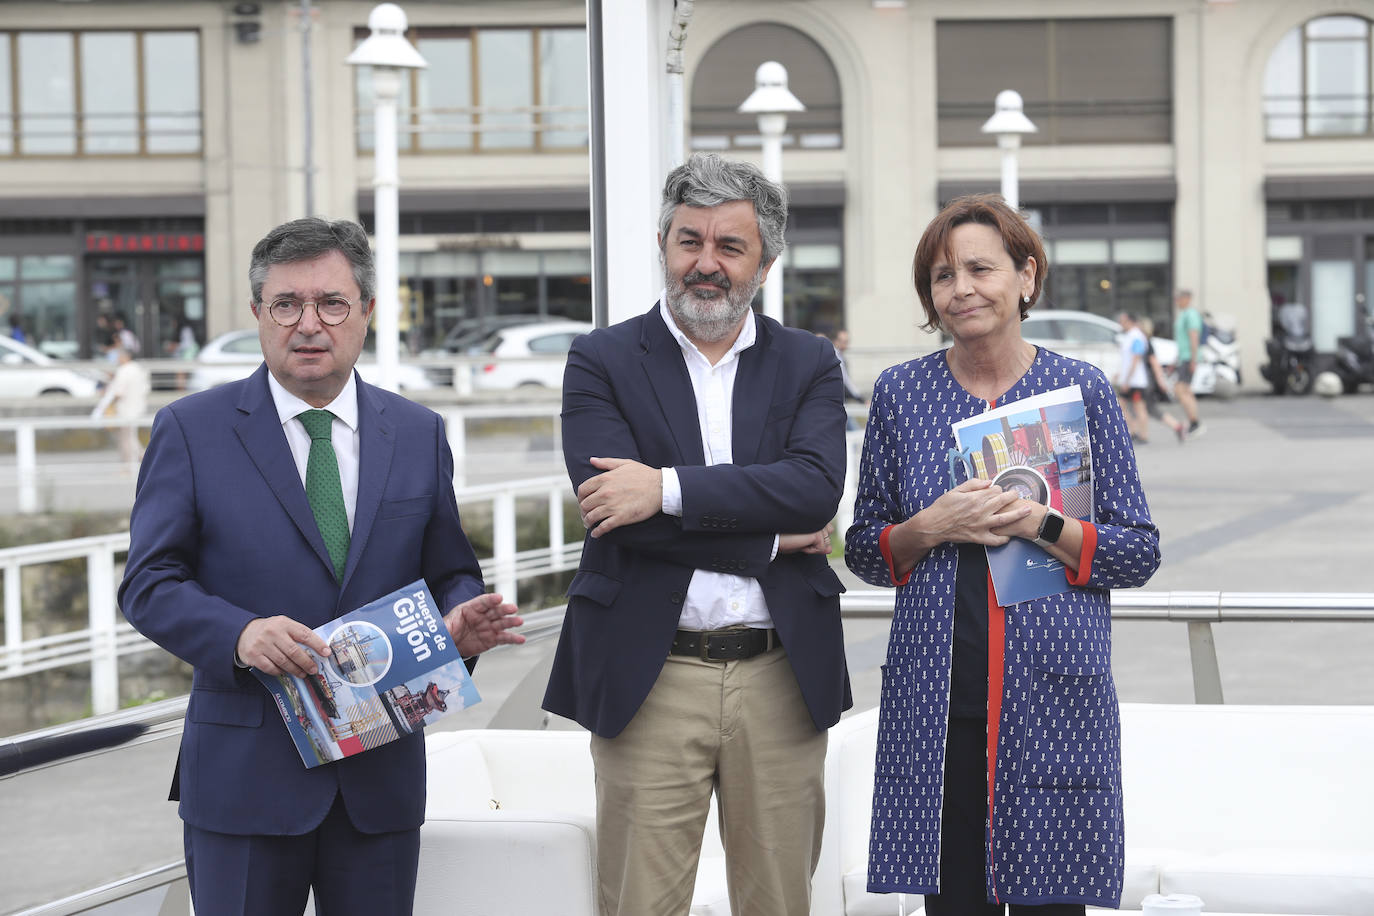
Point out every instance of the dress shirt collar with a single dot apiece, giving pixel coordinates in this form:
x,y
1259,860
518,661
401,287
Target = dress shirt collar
x,y
747,334
345,406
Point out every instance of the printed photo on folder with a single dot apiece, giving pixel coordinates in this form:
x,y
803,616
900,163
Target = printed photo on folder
x,y
393,670
1039,447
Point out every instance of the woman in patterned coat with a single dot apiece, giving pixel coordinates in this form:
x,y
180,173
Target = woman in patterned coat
x,y
964,676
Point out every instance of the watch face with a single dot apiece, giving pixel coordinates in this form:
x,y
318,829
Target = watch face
x,y
1026,482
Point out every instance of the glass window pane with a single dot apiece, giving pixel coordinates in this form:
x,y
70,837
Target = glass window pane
x,y
448,263
1283,89
567,262
1283,248
444,85
7,266
813,257
6,119
1079,251
49,311
1337,87
511,263
1333,302
1140,251
563,84
1338,27
171,80
506,80
47,95
47,267
109,92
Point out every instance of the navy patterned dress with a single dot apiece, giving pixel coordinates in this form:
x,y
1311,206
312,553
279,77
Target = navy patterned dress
x,y
1055,832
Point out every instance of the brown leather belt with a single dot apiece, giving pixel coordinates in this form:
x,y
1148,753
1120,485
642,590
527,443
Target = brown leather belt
x,y
724,645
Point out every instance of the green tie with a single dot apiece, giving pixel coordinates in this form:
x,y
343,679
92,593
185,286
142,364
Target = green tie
x,y
323,489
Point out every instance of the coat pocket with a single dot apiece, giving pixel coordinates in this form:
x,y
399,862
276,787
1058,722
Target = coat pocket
x,y
824,581
1072,730
903,722
210,706
594,586
400,508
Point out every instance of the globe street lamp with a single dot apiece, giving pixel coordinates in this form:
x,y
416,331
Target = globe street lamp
x,y
771,101
389,54
1009,123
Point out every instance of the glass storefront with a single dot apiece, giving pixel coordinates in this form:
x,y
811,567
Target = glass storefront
x,y
1320,253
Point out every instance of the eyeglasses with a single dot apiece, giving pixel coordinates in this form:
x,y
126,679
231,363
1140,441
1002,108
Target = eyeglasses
x,y
287,312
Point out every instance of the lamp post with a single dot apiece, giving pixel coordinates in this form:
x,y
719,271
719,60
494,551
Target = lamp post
x,y
389,54
771,101
1009,123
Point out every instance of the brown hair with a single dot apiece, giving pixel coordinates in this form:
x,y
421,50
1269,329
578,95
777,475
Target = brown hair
x,y
1018,238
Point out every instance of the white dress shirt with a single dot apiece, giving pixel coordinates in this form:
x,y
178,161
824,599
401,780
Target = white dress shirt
x,y
343,434
714,600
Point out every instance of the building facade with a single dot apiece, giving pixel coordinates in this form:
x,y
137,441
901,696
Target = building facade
x,y
1224,146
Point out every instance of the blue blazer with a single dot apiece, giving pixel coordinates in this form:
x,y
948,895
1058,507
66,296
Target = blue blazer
x,y
221,532
627,394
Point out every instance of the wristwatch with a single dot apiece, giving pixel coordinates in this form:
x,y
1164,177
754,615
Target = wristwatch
x,y
1051,526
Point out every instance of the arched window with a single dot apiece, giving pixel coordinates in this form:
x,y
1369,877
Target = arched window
x,y
1317,82
725,77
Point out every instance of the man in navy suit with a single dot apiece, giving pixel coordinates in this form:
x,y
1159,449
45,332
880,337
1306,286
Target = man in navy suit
x,y
702,643
231,565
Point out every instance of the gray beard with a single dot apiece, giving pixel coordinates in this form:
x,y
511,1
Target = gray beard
x,y
709,318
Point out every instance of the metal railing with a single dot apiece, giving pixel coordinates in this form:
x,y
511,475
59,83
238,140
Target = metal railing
x,y
107,636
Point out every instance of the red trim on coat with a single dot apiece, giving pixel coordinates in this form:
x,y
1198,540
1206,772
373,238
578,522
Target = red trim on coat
x,y
886,551
1083,573
997,637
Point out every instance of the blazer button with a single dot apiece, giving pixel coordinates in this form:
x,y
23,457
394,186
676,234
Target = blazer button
x,y
676,597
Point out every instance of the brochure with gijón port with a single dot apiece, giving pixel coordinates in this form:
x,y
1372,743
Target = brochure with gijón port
x,y
1037,446
393,670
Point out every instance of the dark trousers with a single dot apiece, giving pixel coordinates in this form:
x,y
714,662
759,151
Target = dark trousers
x,y
963,843
351,872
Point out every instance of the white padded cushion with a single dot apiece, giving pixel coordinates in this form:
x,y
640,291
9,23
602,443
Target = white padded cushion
x,y
1327,881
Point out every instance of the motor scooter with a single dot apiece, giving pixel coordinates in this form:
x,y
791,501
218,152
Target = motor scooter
x,y
1354,361
1218,359
1292,365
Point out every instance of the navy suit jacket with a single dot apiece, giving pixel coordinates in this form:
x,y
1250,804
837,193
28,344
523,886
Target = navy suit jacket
x,y
627,394
221,532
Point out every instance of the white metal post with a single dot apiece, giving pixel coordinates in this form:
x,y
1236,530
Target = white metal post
x,y
100,597
503,544
14,616
456,422
386,88
26,457
771,126
556,527
1010,144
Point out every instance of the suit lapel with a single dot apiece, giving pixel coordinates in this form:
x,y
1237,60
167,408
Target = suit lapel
x,y
754,381
376,446
662,360
259,429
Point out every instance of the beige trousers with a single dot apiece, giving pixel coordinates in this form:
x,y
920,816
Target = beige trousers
x,y
742,729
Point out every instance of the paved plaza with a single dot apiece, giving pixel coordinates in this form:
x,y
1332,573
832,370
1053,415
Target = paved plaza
x,y
1271,499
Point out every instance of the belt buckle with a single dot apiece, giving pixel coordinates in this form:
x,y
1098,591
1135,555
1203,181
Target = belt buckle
x,y
705,648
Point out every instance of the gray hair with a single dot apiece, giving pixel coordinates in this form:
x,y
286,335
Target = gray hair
x,y
310,238
709,180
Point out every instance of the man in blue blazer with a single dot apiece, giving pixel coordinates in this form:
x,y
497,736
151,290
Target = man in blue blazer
x,y
702,643
231,564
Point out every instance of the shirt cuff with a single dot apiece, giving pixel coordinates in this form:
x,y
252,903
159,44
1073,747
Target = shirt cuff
x,y
887,555
672,492
1084,572
777,540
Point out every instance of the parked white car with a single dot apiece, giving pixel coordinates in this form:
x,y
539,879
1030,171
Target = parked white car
x,y
235,354
1088,337
26,373
527,355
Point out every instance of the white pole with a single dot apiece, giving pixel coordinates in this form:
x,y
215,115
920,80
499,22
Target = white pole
x,y
100,610
386,88
1010,144
771,126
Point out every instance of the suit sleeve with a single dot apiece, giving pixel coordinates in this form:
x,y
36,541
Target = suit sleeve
x,y
159,594
594,423
796,494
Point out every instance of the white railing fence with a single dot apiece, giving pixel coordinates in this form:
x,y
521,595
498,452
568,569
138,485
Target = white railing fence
x,y
107,636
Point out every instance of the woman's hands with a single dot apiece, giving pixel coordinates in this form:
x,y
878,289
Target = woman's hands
x,y
977,512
